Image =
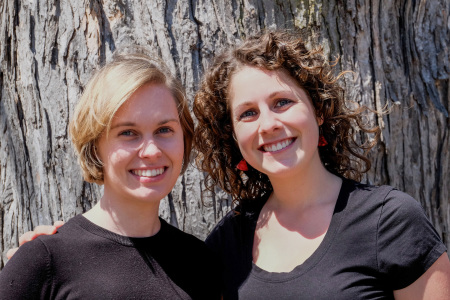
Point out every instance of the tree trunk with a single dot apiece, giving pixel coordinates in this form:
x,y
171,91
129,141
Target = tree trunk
x,y
398,50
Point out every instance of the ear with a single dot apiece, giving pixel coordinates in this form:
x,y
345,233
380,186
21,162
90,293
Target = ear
x,y
234,137
96,152
319,120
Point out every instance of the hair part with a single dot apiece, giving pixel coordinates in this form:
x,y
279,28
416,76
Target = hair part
x,y
106,92
280,50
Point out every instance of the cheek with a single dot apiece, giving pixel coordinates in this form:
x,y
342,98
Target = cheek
x,y
180,152
246,146
116,157
306,120
243,133
242,143
247,141
175,149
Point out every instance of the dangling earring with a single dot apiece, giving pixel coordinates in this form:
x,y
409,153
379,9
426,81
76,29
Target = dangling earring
x,y
322,141
242,165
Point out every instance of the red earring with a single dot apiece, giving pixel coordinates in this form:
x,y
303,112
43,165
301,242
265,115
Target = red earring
x,y
322,141
242,165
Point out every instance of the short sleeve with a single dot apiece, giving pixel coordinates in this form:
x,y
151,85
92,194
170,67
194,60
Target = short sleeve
x,y
407,243
26,274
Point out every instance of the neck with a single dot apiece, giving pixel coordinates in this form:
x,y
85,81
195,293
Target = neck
x,y
126,217
308,189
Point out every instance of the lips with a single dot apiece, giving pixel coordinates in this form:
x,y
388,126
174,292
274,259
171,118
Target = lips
x,y
148,172
273,147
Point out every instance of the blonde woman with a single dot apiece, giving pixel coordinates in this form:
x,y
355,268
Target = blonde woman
x,y
132,132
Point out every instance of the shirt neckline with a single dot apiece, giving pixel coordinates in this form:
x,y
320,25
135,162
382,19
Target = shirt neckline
x,y
89,226
317,255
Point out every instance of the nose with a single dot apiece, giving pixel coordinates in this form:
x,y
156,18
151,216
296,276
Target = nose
x,y
268,122
149,149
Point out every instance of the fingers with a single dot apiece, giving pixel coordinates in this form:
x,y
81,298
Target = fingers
x,y
58,224
11,252
26,237
39,230
43,230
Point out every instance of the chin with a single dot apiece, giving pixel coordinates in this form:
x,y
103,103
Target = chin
x,y
282,171
150,197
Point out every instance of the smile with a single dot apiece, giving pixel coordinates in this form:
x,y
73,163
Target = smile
x,y
148,173
277,146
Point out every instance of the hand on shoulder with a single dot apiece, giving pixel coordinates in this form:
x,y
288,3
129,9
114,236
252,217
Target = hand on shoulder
x,y
31,235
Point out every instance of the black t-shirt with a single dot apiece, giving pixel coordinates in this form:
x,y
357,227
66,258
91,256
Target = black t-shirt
x,y
379,240
85,261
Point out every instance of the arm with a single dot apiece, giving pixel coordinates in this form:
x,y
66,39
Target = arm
x,y
434,284
31,235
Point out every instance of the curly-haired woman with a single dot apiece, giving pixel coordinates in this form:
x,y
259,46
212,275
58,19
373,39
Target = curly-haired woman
x,y
275,132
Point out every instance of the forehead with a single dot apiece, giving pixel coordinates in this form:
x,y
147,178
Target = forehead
x,y
149,102
251,83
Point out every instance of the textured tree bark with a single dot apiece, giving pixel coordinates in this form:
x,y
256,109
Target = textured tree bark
x,y
398,50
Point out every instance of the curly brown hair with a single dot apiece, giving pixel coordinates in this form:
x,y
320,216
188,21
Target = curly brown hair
x,y
218,151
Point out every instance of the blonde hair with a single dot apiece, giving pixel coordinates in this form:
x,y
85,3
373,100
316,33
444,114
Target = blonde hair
x,y
106,92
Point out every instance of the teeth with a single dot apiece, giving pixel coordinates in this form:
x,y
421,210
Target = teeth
x,y
148,173
278,146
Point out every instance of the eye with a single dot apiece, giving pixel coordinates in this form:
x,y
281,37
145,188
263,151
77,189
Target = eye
x,y
164,130
283,102
127,133
247,114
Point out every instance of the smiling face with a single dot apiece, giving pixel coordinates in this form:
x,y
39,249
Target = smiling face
x,y
142,154
274,122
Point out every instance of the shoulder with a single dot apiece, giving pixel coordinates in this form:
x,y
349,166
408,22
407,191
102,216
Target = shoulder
x,y
235,228
68,233
392,209
364,191
43,248
240,216
386,194
400,204
233,221
32,250
407,242
401,212
377,200
29,267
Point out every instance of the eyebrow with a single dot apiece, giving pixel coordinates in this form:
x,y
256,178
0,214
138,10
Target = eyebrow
x,y
125,124
168,121
271,95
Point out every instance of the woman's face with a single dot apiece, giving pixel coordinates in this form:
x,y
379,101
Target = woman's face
x,y
274,122
143,153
